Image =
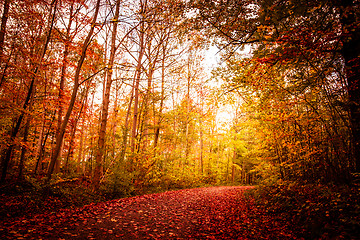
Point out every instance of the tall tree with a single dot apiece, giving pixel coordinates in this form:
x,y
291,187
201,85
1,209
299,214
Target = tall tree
x,y
64,68
4,19
142,15
350,24
106,99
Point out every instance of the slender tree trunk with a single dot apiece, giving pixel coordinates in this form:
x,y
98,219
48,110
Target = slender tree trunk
x,y
105,104
40,140
201,145
126,130
227,167
114,126
146,104
71,147
74,128
42,143
4,19
187,147
137,77
62,81
2,39
81,147
7,156
201,132
60,136
162,98
23,149
153,59
351,52
233,173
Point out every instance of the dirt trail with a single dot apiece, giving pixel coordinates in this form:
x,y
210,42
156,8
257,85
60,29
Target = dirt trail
x,y
203,213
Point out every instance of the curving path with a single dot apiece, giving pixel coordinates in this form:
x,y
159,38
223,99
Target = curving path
x,y
203,213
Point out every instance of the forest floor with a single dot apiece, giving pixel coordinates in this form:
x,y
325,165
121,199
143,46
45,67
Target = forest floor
x,y
282,211
202,213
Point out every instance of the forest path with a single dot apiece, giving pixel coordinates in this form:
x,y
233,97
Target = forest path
x,y
203,213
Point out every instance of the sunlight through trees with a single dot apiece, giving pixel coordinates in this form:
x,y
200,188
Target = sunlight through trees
x,y
124,94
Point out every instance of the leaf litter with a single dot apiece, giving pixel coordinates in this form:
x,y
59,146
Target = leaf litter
x,y
203,213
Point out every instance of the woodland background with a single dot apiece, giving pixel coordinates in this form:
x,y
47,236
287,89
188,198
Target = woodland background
x,y
116,97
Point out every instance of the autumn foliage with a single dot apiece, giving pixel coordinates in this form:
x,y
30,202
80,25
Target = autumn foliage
x,y
117,98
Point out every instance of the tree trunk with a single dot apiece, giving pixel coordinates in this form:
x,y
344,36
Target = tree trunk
x,y
137,77
42,143
201,145
162,97
146,104
125,129
62,82
3,26
233,173
105,104
351,52
2,39
23,149
81,148
74,128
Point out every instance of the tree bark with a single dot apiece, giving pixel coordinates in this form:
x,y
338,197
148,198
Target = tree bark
x,y
105,104
4,19
162,97
23,149
74,128
41,147
62,80
351,53
137,76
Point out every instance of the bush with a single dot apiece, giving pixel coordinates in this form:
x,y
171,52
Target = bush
x,y
315,211
28,197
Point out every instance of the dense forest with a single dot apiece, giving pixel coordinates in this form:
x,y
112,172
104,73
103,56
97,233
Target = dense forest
x,y
125,97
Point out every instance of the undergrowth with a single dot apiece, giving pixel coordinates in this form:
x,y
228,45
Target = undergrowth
x,y
29,197
26,198
314,211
